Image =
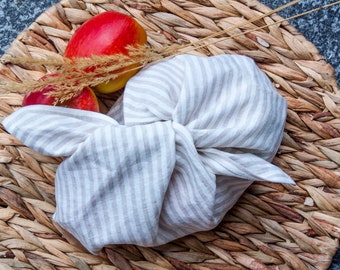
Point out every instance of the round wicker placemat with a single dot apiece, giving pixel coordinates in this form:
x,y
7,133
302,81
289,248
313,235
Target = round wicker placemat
x,y
272,226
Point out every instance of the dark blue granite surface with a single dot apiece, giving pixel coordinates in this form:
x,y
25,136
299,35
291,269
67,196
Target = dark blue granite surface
x,y
322,28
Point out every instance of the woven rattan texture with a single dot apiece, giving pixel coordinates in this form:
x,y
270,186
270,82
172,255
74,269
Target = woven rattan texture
x,y
272,226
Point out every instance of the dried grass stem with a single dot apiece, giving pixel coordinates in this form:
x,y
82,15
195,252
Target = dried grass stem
x,y
75,74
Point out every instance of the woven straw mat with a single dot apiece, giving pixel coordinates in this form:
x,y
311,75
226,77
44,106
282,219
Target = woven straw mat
x,y
273,226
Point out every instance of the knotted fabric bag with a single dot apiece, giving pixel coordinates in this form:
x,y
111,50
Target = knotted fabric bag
x,y
174,154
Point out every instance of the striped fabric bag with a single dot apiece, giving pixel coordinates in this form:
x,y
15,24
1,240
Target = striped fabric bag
x,y
174,154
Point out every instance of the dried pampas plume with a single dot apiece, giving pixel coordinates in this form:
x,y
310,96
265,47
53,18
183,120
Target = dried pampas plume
x,y
74,74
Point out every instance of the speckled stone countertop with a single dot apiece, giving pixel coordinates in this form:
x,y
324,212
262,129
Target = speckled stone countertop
x,y
322,28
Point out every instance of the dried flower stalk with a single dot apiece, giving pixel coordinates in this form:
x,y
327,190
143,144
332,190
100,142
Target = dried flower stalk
x,y
75,74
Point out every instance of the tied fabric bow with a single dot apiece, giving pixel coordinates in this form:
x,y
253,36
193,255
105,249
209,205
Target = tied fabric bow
x,y
174,154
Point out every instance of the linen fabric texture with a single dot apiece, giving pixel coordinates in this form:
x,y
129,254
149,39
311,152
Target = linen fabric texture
x,y
174,154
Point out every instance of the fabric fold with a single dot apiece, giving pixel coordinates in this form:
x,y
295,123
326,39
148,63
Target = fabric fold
x,y
174,154
54,131
117,185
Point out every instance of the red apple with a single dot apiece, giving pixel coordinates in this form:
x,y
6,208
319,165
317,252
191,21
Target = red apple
x,y
39,97
107,33
86,100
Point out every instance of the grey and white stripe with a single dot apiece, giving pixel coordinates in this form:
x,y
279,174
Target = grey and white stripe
x,y
171,158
